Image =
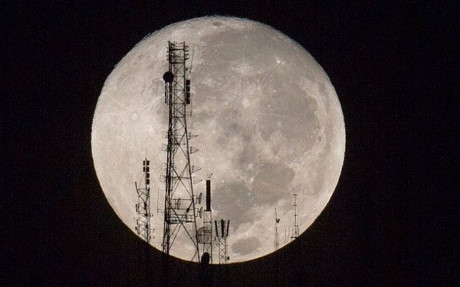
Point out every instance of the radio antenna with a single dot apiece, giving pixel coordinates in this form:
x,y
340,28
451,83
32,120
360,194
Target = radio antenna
x,y
191,61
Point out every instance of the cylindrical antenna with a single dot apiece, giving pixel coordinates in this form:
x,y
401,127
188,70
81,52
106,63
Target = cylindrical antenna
x,y
208,195
228,224
222,223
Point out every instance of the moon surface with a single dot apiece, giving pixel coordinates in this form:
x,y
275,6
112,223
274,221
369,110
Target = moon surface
x,y
268,120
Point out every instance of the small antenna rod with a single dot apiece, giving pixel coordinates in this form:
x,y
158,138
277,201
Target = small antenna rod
x,y
277,239
191,61
296,227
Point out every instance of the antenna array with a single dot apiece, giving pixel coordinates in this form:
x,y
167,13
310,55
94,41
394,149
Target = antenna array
x,y
143,205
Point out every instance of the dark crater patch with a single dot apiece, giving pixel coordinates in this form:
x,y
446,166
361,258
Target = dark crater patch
x,y
294,111
246,246
233,201
272,182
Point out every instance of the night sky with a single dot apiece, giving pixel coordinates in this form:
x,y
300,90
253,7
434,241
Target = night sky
x,y
391,221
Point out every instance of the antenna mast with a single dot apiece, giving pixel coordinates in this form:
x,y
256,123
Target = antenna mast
x,y
277,239
296,226
180,202
222,227
205,232
143,205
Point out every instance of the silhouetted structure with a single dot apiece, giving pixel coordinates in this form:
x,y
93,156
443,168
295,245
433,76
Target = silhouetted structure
x,y
296,226
222,228
205,232
180,211
143,204
277,239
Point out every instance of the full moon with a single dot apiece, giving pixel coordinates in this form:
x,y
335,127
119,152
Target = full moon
x,y
268,123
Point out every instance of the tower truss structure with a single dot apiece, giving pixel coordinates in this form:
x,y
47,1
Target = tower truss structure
x,y
222,227
205,238
143,204
180,212
296,226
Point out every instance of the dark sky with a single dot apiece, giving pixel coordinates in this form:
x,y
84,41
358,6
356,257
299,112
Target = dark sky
x,y
391,221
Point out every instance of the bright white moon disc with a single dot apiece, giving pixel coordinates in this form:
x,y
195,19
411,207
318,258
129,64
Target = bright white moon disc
x,y
268,121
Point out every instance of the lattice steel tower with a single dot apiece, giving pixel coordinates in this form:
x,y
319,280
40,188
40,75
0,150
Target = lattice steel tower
x,y
143,204
296,226
222,227
205,232
180,211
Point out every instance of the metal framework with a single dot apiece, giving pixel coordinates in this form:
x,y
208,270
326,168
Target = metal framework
x,y
296,226
205,232
180,211
277,239
143,204
222,227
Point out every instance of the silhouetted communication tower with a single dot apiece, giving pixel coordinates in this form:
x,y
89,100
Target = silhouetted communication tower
x,y
296,226
180,213
143,204
222,227
205,232
277,238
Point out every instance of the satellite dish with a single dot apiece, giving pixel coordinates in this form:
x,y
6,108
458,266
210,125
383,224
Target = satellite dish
x,y
168,77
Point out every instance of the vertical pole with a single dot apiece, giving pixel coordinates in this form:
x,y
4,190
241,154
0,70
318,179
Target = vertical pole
x,y
277,241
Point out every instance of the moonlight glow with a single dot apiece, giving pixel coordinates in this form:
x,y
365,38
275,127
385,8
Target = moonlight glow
x,y
268,121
